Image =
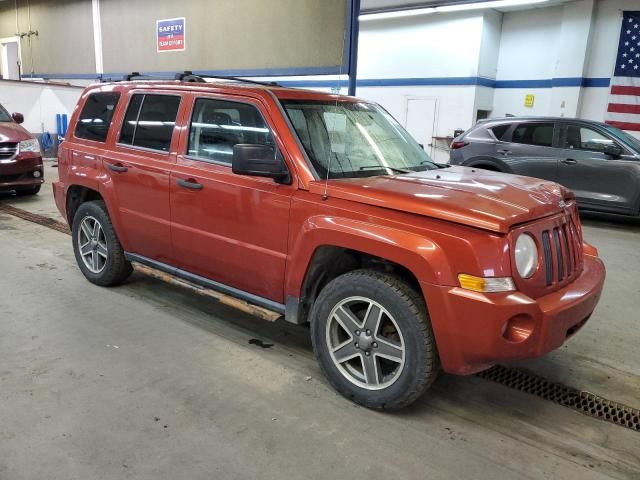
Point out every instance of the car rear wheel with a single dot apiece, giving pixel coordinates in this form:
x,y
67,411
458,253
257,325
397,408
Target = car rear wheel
x,y
97,248
373,339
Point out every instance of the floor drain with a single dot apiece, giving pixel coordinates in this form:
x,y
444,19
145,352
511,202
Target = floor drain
x,y
581,401
35,218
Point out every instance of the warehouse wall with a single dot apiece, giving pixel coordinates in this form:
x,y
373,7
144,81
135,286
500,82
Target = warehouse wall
x,y
278,34
65,35
38,103
263,35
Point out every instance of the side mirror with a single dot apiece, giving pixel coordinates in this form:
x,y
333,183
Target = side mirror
x,y
259,161
17,117
613,150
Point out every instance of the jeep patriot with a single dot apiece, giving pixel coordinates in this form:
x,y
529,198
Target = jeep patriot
x,y
322,208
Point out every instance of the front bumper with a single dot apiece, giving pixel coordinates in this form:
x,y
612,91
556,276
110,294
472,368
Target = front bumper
x,y
475,331
18,173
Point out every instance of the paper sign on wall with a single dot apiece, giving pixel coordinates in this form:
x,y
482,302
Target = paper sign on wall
x,y
528,100
170,34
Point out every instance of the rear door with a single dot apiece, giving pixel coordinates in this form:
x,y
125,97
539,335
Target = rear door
x,y
139,166
599,181
531,149
229,228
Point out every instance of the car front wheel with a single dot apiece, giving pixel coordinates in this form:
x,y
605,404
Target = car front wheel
x,y
373,339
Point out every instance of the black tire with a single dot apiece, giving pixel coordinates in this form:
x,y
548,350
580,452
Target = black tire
x,y
29,191
407,307
116,269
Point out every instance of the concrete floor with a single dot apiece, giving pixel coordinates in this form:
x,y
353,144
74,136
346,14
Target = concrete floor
x,y
147,381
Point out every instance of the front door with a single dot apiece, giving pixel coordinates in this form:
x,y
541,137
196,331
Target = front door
x,y
599,181
229,228
139,166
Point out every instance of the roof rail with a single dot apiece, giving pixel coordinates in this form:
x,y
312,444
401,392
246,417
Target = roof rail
x,y
135,75
189,76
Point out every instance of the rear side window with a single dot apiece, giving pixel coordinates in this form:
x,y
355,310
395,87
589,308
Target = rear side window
x,y
149,121
499,131
218,125
540,134
95,118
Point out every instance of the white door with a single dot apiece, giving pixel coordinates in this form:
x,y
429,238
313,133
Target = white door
x,y
420,120
9,59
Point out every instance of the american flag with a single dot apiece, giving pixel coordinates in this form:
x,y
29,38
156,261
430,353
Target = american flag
x,y
623,110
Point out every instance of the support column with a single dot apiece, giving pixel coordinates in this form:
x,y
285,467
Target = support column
x,y
353,45
571,61
97,35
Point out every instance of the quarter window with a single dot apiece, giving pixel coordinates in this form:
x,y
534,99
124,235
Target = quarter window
x,y
218,125
95,118
150,120
499,131
582,138
540,134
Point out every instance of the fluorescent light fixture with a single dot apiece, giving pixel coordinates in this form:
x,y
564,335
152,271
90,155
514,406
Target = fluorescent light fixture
x,y
447,8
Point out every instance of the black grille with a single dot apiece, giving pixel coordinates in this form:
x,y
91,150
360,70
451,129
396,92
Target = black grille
x,y
562,251
559,256
548,261
7,150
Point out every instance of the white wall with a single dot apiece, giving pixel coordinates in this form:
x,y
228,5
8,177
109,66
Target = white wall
x,y
528,44
423,46
490,44
39,103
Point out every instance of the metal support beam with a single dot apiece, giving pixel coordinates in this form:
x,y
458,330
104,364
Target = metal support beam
x,y
353,45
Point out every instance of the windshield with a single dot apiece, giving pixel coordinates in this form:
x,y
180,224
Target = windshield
x,y
349,140
624,136
4,115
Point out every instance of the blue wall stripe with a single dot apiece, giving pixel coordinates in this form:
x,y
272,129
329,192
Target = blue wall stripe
x,y
362,82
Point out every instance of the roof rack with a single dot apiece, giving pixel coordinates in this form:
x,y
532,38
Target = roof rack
x,y
189,76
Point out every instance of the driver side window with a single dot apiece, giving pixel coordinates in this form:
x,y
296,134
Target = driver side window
x,y
218,125
583,138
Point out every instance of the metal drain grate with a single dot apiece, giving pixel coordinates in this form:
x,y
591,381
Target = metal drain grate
x,y
581,401
35,218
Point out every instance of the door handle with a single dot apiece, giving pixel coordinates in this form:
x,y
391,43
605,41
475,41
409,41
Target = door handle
x,y
505,152
117,167
190,184
569,161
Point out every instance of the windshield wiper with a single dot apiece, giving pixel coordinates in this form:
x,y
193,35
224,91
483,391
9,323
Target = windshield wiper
x,y
438,165
382,167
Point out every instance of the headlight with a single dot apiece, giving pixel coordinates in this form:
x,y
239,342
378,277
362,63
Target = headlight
x,y
31,145
526,255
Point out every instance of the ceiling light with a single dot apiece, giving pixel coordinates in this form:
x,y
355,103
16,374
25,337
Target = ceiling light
x,y
447,8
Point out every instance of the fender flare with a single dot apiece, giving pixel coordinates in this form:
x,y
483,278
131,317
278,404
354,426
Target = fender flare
x,y
424,258
106,191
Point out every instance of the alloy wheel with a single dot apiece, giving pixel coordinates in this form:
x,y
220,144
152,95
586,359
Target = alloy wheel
x,y
92,244
365,343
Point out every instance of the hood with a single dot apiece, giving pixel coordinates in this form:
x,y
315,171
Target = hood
x,y
478,198
12,132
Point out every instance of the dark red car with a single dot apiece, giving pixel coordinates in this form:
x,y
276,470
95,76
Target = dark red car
x,y
20,156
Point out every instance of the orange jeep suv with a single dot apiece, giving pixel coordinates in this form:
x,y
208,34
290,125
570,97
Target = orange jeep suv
x,y
323,209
